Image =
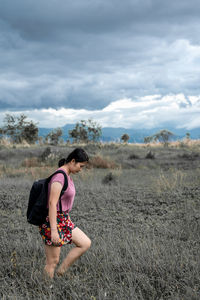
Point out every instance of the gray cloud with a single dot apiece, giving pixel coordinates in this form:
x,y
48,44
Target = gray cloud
x,y
86,54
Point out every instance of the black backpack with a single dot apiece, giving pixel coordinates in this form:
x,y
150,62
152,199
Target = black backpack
x,y
37,205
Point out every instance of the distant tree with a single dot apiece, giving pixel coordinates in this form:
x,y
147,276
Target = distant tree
x,y
148,139
19,129
79,133
30,133
163,136
85,131
1,133
94,130
54,136
125,137
187,136
10,127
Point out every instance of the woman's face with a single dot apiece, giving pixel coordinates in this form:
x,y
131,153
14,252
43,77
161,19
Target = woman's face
x,y
76,167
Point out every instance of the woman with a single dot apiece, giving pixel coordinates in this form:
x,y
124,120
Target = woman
x,y
58,229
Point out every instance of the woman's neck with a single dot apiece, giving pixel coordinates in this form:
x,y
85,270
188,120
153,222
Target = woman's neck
x,y
66,168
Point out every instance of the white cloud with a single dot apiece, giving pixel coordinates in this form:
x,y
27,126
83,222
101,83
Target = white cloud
x,y
148,112
194,123
195,100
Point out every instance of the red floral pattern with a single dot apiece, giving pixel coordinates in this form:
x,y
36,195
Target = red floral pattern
x,y
65,227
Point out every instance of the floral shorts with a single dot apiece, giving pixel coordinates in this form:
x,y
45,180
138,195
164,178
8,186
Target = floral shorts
x,y
65,227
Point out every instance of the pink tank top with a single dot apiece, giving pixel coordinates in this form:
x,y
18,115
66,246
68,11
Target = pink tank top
x,y
67,198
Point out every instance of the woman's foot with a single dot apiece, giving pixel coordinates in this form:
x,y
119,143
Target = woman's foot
x,y
60,272
47,276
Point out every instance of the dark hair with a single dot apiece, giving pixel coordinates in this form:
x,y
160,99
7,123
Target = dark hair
x,y
78,154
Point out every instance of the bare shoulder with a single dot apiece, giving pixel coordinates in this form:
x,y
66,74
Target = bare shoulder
x,y
56,185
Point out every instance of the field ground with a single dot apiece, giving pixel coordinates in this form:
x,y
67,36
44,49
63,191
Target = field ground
x,y
142,215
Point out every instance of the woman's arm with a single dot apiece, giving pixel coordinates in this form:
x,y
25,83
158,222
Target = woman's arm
x,y
55,191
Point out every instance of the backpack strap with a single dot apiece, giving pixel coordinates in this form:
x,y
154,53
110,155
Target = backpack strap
x,y
63,188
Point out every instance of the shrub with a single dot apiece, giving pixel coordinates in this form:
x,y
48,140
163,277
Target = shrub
x,y
109,178
189,156
133,156
150,155
44,156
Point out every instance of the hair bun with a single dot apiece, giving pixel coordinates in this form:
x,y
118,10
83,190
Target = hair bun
x,y
61,162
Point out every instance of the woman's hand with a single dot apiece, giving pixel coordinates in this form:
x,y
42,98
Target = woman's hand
x,y
55,236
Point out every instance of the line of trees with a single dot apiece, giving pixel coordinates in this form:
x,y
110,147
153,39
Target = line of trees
x,y
162,136
19,129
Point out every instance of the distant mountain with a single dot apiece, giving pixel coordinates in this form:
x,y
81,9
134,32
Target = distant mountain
x,y
136,135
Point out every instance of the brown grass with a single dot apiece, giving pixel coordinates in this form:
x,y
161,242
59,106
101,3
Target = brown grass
x,y
8,143
33,172
31,162
102,163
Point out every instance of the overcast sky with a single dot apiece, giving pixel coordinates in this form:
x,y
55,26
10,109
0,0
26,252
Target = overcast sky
x,y
131,63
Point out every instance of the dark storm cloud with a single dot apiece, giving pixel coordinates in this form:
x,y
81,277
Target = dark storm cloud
x,y
44,19
86,54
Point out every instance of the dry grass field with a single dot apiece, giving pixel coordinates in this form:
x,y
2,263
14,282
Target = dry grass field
x,y
139,204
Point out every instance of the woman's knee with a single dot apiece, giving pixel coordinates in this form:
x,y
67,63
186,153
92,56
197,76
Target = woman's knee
x,y
80,239
87,244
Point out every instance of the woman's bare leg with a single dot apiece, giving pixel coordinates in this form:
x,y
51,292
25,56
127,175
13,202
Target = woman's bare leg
x,y
52,259
82,242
